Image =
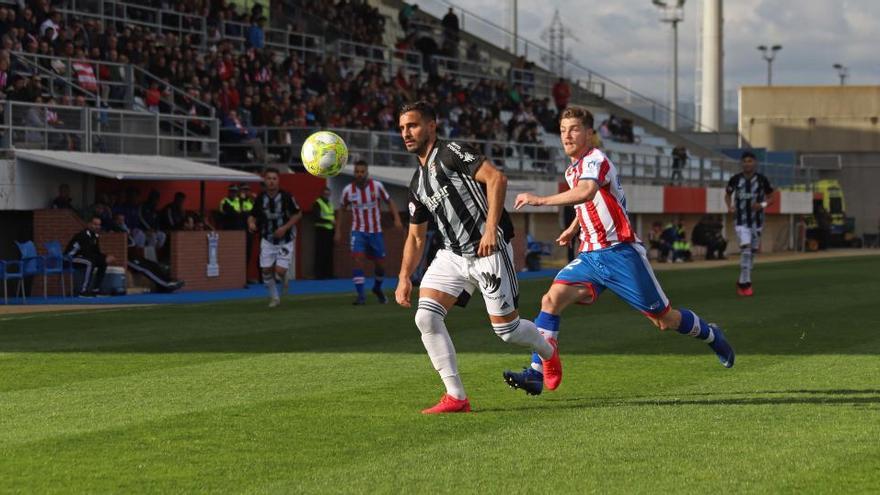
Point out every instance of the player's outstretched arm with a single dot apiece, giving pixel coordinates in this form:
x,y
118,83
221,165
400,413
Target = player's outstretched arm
x,y
584,191
412,254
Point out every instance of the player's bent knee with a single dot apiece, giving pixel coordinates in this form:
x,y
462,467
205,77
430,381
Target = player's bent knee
x,y
429,316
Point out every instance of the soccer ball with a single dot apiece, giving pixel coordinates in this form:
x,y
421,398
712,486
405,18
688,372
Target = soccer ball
x,y
324,154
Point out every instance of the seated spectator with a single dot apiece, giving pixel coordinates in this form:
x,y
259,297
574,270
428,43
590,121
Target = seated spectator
x,y
707,233
101,209
85,251
236,132
173,215
63,200
681,248
659,240
148,222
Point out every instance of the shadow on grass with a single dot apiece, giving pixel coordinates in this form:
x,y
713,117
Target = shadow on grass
x,y
834,397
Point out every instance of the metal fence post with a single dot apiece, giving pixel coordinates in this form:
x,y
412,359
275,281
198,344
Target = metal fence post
x,y
85,119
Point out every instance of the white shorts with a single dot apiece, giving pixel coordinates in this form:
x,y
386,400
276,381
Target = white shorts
x,y
495,275
275,254
749,236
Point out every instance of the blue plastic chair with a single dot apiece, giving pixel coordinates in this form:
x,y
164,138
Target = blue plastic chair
x,y
7,275
32,264
58,263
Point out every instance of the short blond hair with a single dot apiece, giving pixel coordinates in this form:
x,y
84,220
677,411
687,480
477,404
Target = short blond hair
x,y
577,112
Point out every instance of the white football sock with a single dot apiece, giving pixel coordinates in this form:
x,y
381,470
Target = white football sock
x,y
524,333
745,266
269,281
430,321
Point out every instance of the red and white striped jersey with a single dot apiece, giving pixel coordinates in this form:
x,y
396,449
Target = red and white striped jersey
x,y
365,205
603,220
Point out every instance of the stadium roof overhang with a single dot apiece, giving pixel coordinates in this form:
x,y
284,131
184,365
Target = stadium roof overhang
x,y
135,167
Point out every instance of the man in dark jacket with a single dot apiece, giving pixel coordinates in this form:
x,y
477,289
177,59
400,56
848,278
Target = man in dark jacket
x,y
85,251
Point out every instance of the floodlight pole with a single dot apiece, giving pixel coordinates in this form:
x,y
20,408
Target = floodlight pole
x,y
842,73
672,14
769,54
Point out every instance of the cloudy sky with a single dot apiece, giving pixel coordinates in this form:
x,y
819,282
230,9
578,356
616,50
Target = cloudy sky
x,y
624,40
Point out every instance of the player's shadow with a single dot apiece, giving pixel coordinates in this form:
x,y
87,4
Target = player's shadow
x,y
832,397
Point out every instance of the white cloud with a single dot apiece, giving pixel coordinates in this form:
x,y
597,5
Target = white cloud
x,y
625,40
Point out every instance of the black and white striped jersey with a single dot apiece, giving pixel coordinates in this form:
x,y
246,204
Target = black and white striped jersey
x,y
445,188
746,192
274,211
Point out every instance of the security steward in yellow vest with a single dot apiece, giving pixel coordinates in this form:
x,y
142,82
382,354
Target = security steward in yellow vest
x,y
245,205
230,209
325,226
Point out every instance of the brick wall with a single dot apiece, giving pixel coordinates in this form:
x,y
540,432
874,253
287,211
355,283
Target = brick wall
x,y
189,260
61,226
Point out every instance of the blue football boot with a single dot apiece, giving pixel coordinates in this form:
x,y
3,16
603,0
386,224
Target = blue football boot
x,y
721,347
530,380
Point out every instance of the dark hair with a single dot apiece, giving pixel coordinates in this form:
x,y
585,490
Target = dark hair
x,y
577,112
748,154
271,170
423,107
361,163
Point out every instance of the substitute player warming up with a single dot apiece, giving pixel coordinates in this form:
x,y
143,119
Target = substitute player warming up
x,y
275,214
611,255
364,196
748,195
448,185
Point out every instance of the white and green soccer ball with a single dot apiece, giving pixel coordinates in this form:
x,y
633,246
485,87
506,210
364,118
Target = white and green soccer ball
x,y
324,154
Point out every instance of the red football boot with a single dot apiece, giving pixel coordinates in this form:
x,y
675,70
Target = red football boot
x,y
449,404
552,368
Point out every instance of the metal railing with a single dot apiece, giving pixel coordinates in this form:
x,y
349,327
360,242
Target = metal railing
x,y
389,58
103,130
519,159
171,21
162,20
286,40
112,91
467,70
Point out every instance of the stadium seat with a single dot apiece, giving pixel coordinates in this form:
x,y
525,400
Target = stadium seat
x,y
7,275
31,264
57,263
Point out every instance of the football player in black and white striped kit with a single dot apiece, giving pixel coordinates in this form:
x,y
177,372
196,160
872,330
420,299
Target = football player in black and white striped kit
x,y
748,195
464,193
275,215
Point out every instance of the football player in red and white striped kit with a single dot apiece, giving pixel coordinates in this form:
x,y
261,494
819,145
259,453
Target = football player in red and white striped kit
x,y
364,198
611,255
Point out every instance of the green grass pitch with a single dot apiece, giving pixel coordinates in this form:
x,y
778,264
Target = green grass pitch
x,y
322,397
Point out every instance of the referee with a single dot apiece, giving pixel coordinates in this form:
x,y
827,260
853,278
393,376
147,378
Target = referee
x,y
748,195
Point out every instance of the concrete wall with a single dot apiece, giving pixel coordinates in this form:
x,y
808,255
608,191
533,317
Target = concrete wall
x,y
838,120
859,179
811,119
31,186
